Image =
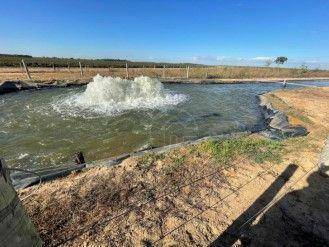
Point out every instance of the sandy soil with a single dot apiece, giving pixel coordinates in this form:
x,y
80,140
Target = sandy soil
x,y
171,74
195,201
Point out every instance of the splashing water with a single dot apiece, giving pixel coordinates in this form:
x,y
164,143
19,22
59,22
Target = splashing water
x,y
111,96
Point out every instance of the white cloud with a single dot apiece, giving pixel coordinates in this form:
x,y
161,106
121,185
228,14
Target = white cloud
x,y
221,58
255,61
262,59
312,61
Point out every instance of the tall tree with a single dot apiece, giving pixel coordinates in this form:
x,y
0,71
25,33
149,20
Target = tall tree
x,y
281,60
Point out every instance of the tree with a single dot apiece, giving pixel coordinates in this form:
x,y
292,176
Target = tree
x,y
304,68
281,60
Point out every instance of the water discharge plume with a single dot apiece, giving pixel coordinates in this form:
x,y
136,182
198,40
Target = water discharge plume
x,y
108,89
108,95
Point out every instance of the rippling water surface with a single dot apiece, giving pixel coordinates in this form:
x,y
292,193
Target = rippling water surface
x,y
114,116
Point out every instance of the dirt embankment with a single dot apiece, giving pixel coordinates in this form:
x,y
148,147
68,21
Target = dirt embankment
x,y
221,74
212,192
15,79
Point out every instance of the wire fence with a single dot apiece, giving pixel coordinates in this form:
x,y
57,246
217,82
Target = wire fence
x,y
139,204
187,182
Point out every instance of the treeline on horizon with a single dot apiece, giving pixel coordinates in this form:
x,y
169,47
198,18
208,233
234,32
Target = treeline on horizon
x,y
15,60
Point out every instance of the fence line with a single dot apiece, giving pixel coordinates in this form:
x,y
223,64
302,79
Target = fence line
x,y
124,72
143,202
289,189
265,171
233,192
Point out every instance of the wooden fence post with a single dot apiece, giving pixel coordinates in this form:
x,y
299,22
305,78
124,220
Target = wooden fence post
x,y
26,70
68,66
164,71
187,71
206,76
22,67
16,227
127,72
53,67
81,70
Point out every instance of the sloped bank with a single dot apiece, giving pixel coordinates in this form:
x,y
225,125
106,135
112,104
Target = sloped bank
x,y
23,180
16,86
10,86
277,122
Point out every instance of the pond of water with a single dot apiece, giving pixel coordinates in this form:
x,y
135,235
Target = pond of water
x,y
113,116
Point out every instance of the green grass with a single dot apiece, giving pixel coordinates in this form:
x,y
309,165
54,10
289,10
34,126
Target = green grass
x,y
148,160
257,150
176,160
300,116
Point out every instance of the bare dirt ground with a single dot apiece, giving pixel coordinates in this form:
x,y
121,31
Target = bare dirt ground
x,y
250,192
48,75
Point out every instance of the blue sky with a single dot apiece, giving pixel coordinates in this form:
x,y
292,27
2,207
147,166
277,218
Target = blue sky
x,y
213,32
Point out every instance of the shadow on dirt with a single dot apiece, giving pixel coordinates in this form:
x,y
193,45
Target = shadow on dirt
x,y
300,218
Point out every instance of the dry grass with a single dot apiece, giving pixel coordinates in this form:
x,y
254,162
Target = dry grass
x,y
219,72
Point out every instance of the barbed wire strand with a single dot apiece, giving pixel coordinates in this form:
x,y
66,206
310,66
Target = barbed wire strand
x,y
288,189
251,218
141,203
234,191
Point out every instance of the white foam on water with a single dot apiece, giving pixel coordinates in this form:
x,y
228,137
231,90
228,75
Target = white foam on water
x,y
22,156
111,96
